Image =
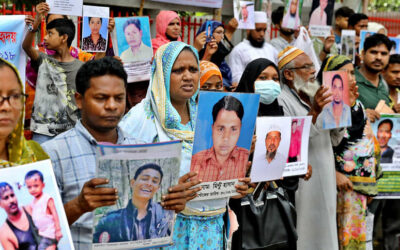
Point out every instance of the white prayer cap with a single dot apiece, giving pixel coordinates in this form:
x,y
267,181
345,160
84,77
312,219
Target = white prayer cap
x,y
260,17
273,127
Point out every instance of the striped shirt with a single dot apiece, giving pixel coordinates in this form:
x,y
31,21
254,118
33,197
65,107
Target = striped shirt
x,y
73,155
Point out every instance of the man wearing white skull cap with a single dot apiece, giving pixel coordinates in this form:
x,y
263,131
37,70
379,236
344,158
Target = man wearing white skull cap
x,y
252,48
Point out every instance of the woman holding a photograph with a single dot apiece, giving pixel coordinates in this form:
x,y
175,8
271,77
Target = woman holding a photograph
x,y
168,113
357,157
94,42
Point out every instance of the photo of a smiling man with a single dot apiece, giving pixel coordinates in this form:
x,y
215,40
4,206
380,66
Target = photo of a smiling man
x,y
221,147
142,218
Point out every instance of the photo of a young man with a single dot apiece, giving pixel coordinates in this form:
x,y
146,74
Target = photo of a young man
x,y
384,135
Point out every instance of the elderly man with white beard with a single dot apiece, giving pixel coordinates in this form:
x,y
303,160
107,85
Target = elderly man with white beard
x,y
316,198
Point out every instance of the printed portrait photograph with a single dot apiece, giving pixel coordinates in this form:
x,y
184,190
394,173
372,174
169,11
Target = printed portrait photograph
x,y
138,215
348,45
292,14
396,45
321,12
244,13
386,131
94,34
31,211
272,148
224,131
134,40
337,113
296,130
363,35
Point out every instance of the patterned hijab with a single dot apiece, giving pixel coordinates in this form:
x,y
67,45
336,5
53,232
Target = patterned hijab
x,y
207,70
159,94
19,150
331,64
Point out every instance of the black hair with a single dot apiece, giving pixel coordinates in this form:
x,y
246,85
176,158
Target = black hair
x,y
48,16
355,18
229,103
3,187
32,173
388,121
101,19
63,27
104,66
344,12
294,121
376,40
337,76
277,15
395,58
149,166
133,21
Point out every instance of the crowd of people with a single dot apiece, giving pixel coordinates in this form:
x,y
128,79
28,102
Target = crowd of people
x,y
77,99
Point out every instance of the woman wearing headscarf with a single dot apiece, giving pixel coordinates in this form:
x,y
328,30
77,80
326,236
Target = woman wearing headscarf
x,y
168,113
168,28
210,77
217,49
14,149
357,157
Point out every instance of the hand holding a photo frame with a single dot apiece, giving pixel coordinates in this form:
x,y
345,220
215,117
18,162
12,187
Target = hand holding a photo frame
x,y
321,98
200,40
179,194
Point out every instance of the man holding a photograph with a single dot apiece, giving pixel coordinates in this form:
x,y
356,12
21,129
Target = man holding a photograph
x,y
17,232
224,160
137,50
142,218
337,113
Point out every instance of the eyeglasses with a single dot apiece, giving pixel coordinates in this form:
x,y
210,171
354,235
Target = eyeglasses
x,y
307,67
15,100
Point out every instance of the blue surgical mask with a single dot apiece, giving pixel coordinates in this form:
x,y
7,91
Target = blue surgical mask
x,y
268,90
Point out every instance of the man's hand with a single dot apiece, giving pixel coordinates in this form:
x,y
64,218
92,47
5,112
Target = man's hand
x,y
200,41
321,98
353,93
329,41
92,197
372,115
308,174
343,183
396,108
179,194
230,28
243,188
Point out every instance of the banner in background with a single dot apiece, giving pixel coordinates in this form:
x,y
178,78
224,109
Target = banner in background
x,y
202,3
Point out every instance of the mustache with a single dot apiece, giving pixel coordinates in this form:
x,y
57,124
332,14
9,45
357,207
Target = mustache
x,y
12,204
377,61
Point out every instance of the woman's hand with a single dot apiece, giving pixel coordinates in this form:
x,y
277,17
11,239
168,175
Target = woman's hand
x,y
211,48
253,144
353,93
200,41
309,173
343,183
243,188
179,194
111,24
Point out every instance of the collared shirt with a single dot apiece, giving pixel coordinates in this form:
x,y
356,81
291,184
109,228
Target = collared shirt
x,y
145,53
280,43
205,163
73,155
89,45
267,171
243,53
369,94
328,118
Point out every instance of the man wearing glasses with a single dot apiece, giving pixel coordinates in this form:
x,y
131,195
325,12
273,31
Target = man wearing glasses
x,y
315,199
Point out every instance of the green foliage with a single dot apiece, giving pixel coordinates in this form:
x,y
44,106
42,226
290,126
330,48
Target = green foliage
x,y
384,5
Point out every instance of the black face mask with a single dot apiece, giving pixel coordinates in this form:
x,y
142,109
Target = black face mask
x,y
286,32
254,42
170,38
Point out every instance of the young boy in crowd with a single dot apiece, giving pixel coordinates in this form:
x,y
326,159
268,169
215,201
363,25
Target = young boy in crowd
x,y
54,108
44,213
341,21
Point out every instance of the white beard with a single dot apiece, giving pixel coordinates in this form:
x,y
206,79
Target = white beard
x,y
307,87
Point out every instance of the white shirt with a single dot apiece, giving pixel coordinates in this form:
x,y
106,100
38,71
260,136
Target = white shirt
x,y
280,43
267,171
145,53
316,19
243,53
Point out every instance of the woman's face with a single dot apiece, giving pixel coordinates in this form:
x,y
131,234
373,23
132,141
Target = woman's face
x,y
9,114
214,83
218,34
349,68
174,29
269,73
95,25
184,77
